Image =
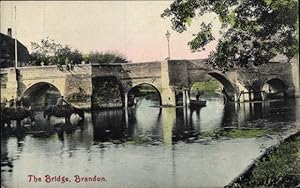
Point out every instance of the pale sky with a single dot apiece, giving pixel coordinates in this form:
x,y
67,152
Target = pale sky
x,y
133,28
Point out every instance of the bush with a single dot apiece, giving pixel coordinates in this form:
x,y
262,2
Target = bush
x,y
281,168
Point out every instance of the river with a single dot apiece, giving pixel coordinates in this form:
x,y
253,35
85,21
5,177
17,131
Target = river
x,y
147,146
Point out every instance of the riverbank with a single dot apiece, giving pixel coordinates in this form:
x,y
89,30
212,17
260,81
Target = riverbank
x,y
278,166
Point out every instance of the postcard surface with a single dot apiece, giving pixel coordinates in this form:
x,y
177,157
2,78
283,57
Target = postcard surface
x,y
140,94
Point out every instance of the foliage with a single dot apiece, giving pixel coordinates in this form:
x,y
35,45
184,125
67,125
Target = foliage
x,y
66,55
48,52
142,90
210,86
245,133
237,133
253,31
280,169
106,57
78,97
106,91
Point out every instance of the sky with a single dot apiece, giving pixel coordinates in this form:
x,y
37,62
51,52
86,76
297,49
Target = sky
x,y
132,28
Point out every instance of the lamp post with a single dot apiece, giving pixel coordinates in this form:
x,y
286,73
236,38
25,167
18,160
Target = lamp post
x,y
168,39
16,42
16,56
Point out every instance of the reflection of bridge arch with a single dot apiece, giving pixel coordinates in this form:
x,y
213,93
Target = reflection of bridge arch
x,y
223,79
42,93
136,86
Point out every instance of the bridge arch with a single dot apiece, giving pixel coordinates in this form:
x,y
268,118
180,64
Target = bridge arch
x,y
275,87
229,87
132,91
41,94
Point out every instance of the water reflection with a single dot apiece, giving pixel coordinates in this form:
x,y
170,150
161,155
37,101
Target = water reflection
x,y
175,124
109,125
138,145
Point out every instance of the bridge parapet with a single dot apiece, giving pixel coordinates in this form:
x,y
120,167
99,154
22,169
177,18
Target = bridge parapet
x,y
127,71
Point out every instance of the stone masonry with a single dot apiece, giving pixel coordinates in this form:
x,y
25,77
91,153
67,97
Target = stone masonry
x,y
168,77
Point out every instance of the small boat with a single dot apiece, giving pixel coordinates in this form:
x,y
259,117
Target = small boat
x,y
197,103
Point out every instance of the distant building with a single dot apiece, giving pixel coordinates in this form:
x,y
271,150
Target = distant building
x,y
7,51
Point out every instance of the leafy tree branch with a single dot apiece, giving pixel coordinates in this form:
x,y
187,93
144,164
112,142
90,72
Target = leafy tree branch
x,y
253,31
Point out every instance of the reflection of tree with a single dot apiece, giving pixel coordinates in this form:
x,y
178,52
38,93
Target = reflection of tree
x,y
284,110
229,117
5,159
256,112
108,125
143,127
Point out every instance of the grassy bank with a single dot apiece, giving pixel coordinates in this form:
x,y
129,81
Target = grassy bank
x,y
237,133
279,167
208,87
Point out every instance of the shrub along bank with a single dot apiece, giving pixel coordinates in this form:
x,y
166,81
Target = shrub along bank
x,y
279,167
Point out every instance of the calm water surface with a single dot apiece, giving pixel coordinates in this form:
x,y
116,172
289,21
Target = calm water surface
x,y
146,146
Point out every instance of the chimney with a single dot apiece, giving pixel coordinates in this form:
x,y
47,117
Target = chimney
x,y
9,32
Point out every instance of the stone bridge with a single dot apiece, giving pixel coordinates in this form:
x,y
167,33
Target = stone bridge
x,y
169,78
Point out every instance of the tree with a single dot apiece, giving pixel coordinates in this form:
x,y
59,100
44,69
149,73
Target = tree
x,y
51,53
253,30
43,51
106,57
66,55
